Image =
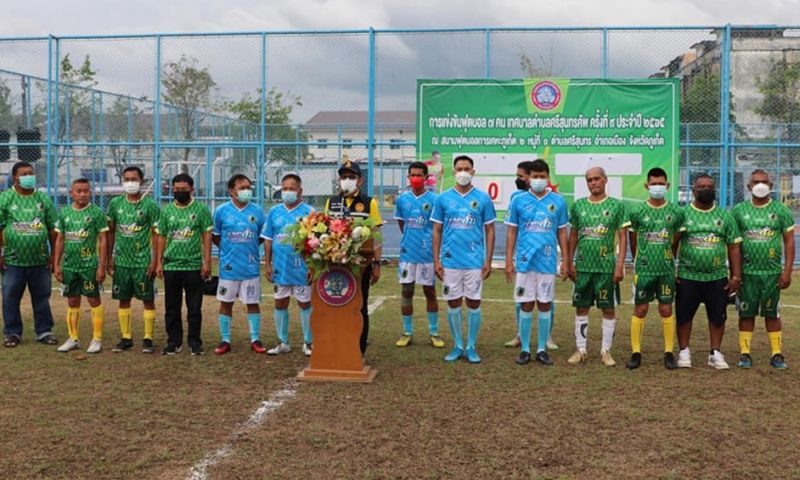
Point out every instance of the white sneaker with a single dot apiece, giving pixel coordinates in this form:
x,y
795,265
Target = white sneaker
x,y
279,348
717,360
70,344
551,345
684,358
307,349
95,346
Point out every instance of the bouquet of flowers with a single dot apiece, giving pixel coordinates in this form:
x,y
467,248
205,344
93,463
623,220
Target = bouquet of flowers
x,y
324,241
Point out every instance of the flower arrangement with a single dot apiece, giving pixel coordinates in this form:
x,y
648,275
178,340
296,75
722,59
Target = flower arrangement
x,y
324,241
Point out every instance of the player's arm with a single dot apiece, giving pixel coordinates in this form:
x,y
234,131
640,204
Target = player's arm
x,y
268,258
58,254
161,244
569,257
511,244
2,249
102,256
400,225
563,244
52,238
619,269
215,239
735,262
487,265
788,252
110,240
632,241
437,247
205,270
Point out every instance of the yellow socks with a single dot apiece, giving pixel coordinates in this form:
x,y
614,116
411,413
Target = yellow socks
x,y
125,323
744,341
637,327
98,315
149,323
73,314
668,329
775,342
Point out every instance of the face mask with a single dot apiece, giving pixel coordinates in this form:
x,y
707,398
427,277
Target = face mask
x,y
182,197
761,190
463,178
521,184
244,196
417,182
706,195
538,185
131,188
348,185
288,196
28,182
658,191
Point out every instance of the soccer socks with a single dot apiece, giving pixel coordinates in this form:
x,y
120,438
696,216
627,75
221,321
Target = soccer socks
x,y
637,327
408,324
581,327
524,329
124,315
254,322
433,323
517,312
668,328
225,327
454,320
474,326
545,320
73,314
609,325
774,341
744,341
282,325
149,323
305,324
98,315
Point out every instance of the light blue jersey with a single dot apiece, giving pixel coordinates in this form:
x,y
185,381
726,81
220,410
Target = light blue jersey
x,y
416,245
288,267
514,195
463,218
538,221
239,255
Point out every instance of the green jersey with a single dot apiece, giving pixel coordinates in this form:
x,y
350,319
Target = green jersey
x,y
81,230
703,249
183,228
133,222
762,231
26,221
597,224
655,227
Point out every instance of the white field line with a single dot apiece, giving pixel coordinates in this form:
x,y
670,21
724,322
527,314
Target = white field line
x,y
376,303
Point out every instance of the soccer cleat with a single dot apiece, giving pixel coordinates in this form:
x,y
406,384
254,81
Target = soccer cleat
x,y
196,350
684,358
635,361
717,360
745,361
669,361
279,348
454,355
472,356
577,358
543,358
123,346
524,357
607,359
171,349
513,343
436,341
403,341
307,349
551,345
70,344
778,362
94,346
257,347
222,348
147,346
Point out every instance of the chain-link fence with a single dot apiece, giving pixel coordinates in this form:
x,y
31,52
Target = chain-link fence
x,y
265,104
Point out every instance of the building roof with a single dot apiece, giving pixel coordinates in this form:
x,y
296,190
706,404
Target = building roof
x,y
360,117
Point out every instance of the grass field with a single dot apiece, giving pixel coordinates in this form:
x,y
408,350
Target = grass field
x,y
132,415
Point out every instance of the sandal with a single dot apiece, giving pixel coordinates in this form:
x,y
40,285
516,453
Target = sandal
x,y
48,339
11,341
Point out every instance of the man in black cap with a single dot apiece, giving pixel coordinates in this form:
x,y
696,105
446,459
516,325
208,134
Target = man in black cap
x,y
351,203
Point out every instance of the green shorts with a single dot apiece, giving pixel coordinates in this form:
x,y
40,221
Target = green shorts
x,y
595,289
132,282
651,287
83,283
759,294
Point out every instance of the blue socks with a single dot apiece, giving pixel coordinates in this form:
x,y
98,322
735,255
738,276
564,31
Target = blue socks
x,y
282,325
545,320
433,323
225,327
408,324
454,320
525,323
254,322
305,323
474,324
517,311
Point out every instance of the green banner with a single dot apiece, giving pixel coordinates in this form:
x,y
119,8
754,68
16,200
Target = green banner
x,y
625,126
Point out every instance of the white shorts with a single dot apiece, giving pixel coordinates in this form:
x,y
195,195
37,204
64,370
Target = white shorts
x,y
421,273
462,283
247,291
302,293
534,287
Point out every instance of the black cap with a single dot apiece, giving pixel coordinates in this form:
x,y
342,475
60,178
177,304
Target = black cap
x,y
349,166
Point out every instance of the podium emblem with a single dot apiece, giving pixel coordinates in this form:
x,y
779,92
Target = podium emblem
x,y
337,286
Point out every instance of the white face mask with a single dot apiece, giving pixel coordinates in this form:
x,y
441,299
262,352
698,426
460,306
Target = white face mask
x,y
761,190
348,185
131,188
658,191
538,185
463,178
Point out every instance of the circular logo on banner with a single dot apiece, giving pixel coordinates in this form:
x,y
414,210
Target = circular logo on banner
x,y
337,286
546,95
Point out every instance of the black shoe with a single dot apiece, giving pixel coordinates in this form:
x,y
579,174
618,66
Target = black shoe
x,y
635,361
524,357
543,358
48,339
197,350
171,349
123,346
147,346
669,361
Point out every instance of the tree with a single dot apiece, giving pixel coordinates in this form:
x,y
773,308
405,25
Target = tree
x,y
536,69
781,102
6,107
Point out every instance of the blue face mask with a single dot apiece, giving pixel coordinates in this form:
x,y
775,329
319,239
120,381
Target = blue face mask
x,y
538,185
244,196
288,196
28,182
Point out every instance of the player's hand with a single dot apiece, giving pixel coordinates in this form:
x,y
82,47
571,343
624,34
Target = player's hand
x,y
785,280
50,263
619,273
486,270
2,263
509,272
205,271
563,274
151,270
159,270
734,283
100,275
59,274
110,266
572,274
268,272
376,273
438,270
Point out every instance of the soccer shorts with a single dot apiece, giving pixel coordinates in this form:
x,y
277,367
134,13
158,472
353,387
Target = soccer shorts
x,y
81,284
462,283
760,295
651,287
247,291
130,282
534,287
300,292
592,288
421,273
689,294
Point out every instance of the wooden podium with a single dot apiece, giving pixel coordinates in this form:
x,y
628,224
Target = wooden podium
x,y
336,326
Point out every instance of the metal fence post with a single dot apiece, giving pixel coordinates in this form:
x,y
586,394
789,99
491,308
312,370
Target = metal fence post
x,y
605,53
724,121
157,127
488,52
261,155
371,115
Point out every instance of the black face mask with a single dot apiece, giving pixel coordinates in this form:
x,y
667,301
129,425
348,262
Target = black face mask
x,y
706,195
182,197
521,184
